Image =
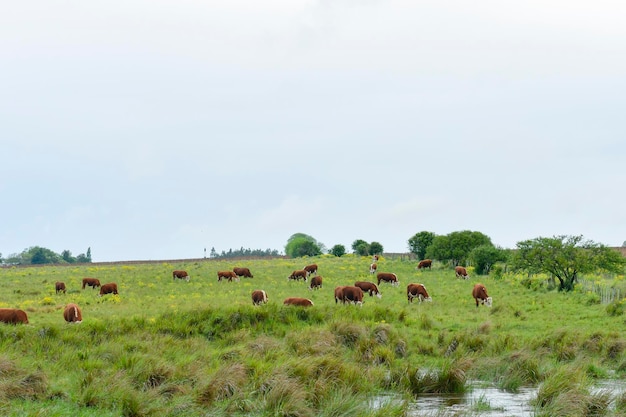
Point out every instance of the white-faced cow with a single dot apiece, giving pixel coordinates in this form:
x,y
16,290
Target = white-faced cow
x,y
298,274
259,297
417,291
180,274
110,288
72,313
352,294
388,277
375,258
310,269
369,287
480,295
461,272
229,275
91,282
242,272
297,301
316,282
425,263
59,287
373,268
13,316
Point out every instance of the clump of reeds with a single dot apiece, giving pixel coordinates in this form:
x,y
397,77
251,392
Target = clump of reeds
x,y
348,333
285,396
16,383
451,378
226,382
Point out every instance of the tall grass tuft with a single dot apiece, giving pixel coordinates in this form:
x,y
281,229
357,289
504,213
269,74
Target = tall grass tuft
x,y
285,396
451,378
225,383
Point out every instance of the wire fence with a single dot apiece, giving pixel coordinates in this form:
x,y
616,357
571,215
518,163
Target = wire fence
x,y
607,294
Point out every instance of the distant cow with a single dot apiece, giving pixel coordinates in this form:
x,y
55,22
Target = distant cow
x,y
59,287
91,282
230,275
13,316
352,295
480,295
298,274
311,269
461,272
297,301
339,294
180,274
425,263
417,291
369,287
72,313
375,258
110,288
316,282
388,277
242,272
373,268
259,297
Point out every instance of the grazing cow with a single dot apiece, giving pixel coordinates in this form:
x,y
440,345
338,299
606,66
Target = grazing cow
x,y
297,301
298,274
368,287
259,297
242,272
480,295
316,282
13,316
461,272
72,313
339,294
352,295
425,263
373,268
59,287
180,274
417,291
230,275
110,288
91,282
388,277
375,258
310,269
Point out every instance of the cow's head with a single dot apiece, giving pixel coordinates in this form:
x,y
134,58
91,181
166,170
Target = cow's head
x,y
487,301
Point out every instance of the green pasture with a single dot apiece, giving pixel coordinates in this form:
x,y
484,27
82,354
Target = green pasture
x,y
170,347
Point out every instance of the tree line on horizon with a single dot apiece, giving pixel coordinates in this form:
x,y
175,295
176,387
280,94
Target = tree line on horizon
x,y
37,255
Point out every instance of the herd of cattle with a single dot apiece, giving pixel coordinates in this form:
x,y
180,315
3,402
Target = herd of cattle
x,y
345,294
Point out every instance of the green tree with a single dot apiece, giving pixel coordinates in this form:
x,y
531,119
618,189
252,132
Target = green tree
x,y
455,247
483,257
67,256
375,248
566,257
338,250
420,242
89,254
300,244
360,247
37,255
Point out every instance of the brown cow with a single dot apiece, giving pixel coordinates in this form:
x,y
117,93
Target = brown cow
x,y
352,295
316,282
388,277
425,263
259,297
339,295
480,295
180,274
375,258
297,301
72,313
298,274
59,287
373,268
461,272
13,316
110,288
368,287
230,275
91,282
242,272
417,291
310,269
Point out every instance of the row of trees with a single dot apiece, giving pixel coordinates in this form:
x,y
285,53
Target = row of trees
x,y
37,255
301,244
238,253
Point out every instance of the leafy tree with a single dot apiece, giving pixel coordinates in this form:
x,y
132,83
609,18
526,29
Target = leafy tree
x,y
375,248
338,250
67,256
300,244
89,254
566,257
37,255
1,258
483,257
359,246
456,246
420,242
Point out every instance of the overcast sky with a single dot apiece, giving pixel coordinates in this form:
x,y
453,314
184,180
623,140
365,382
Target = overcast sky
x,y
155,129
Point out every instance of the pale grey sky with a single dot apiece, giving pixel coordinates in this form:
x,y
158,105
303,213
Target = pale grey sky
x,y
154,129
